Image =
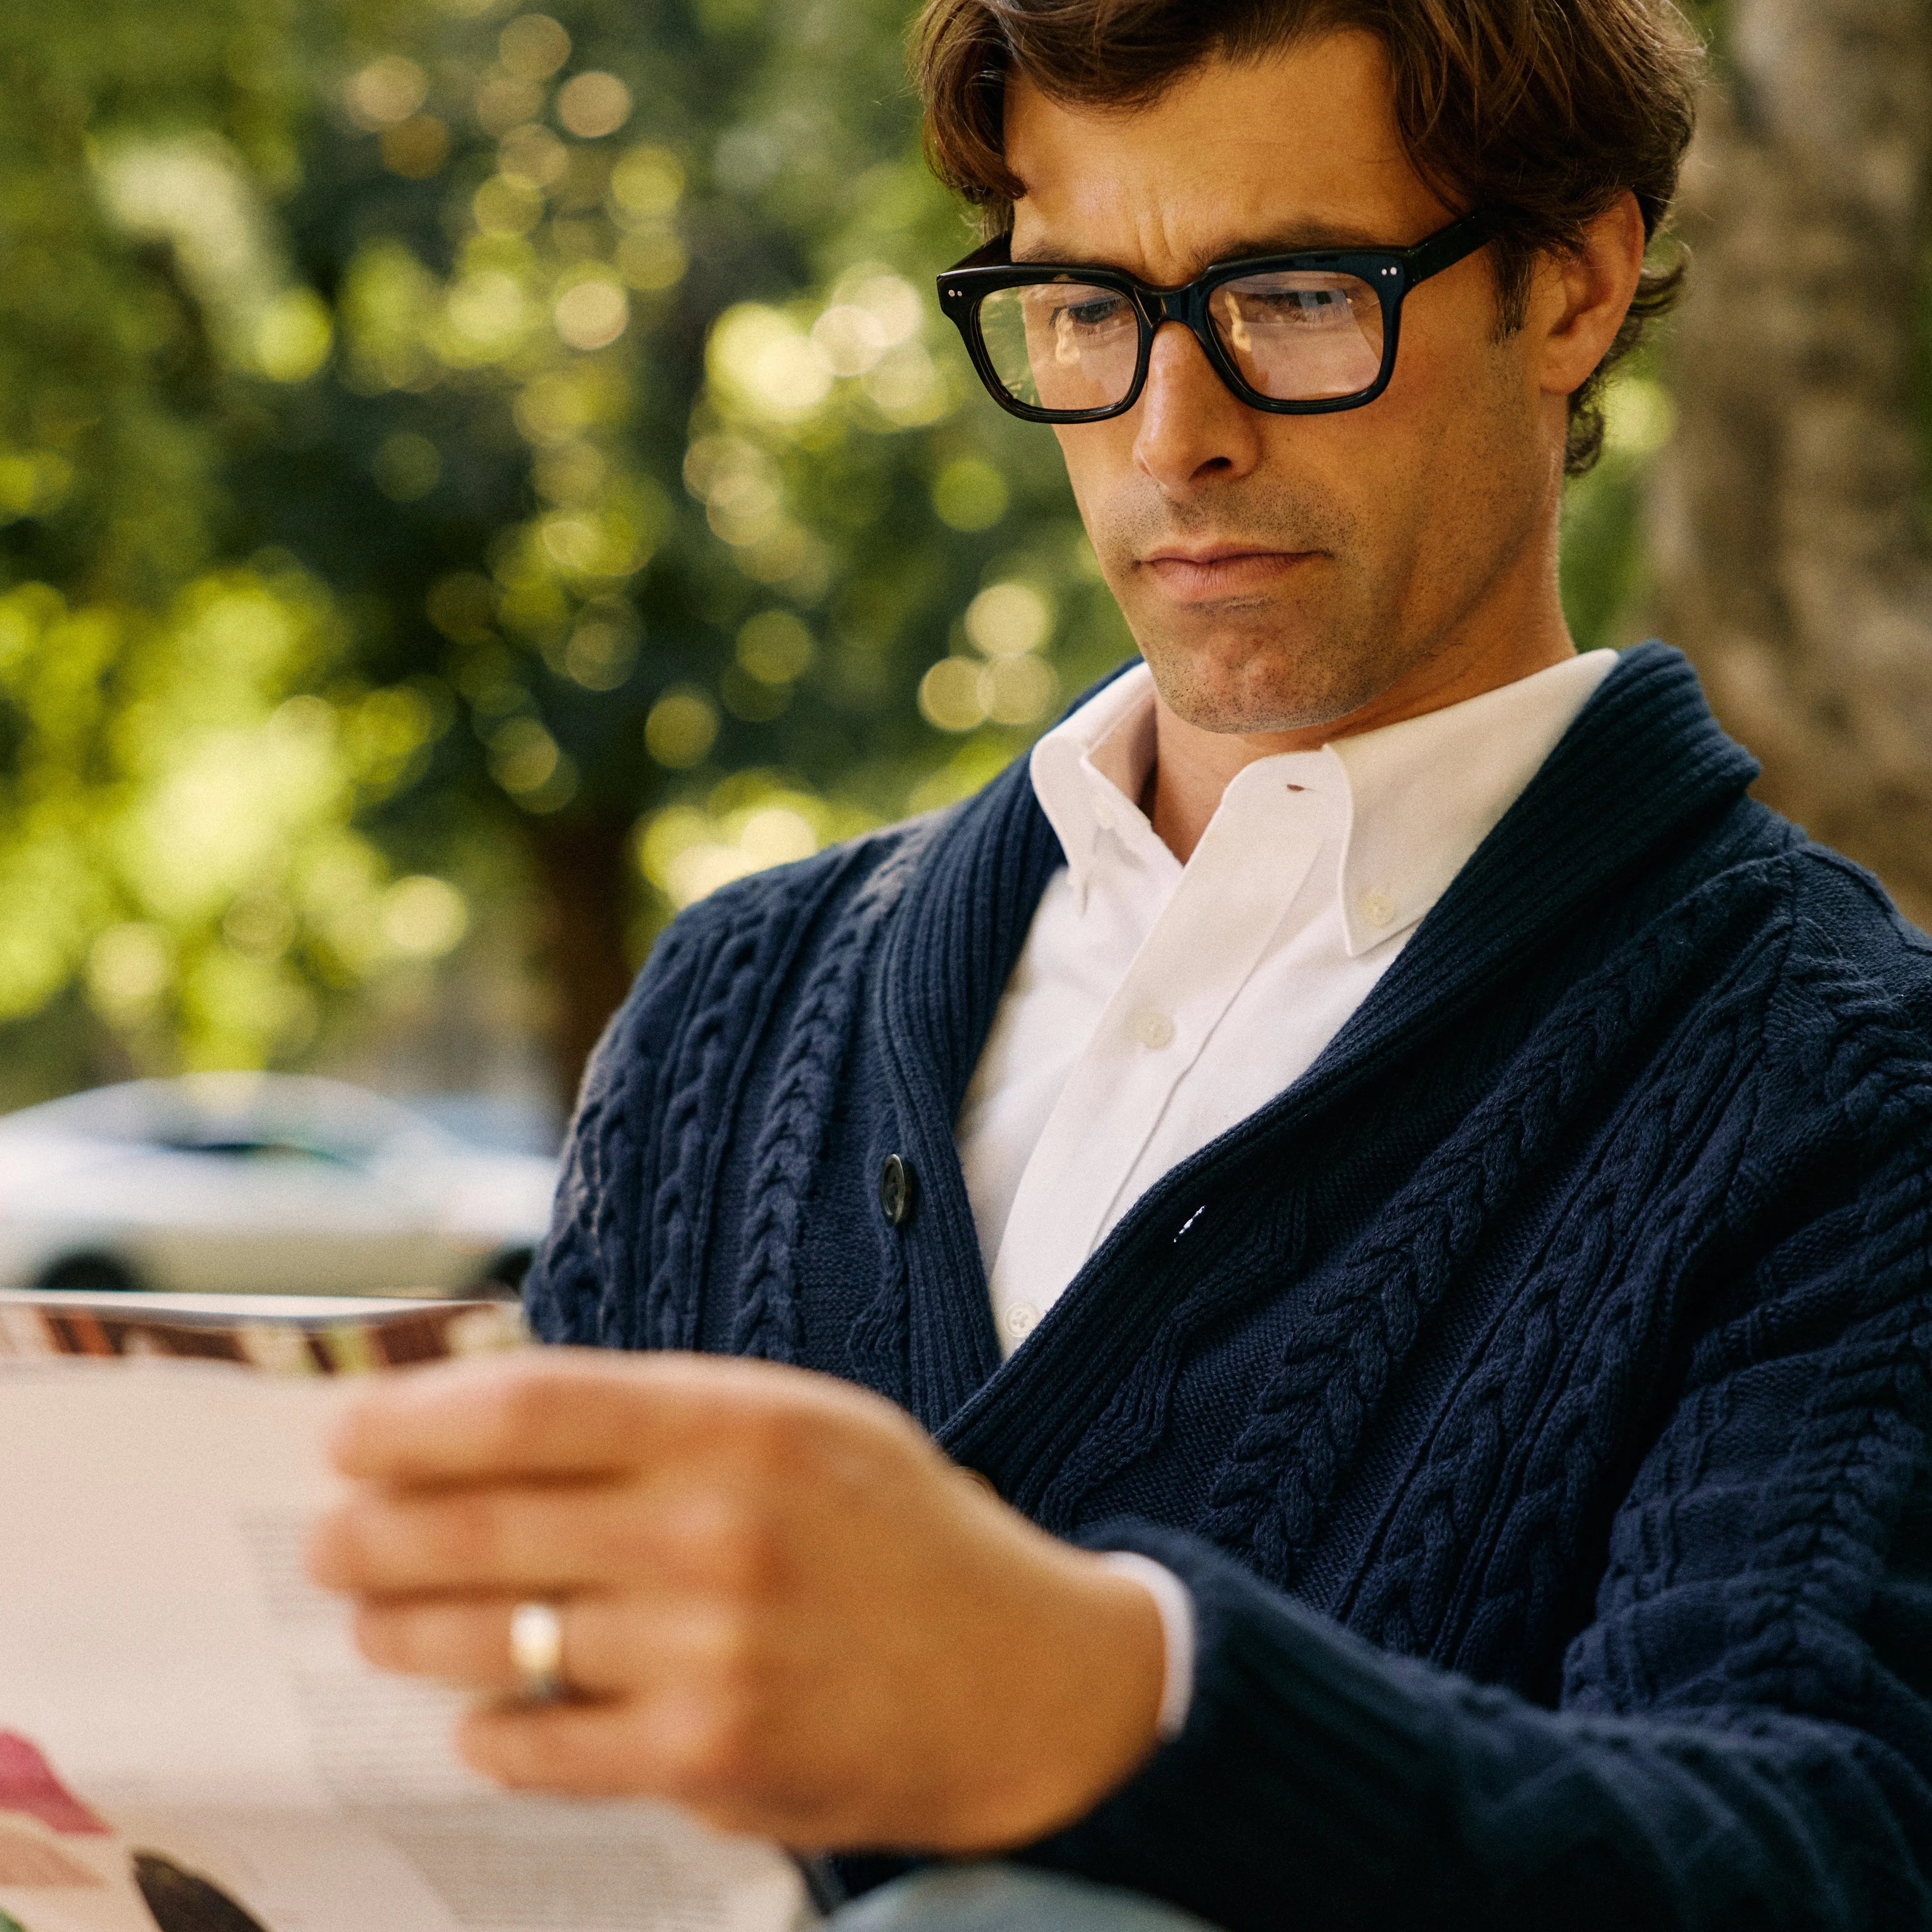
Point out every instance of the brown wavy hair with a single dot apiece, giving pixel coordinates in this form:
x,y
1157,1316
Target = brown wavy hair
x,y
1543,111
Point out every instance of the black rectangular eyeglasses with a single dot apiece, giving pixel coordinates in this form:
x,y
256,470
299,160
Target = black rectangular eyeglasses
x,y
1299,335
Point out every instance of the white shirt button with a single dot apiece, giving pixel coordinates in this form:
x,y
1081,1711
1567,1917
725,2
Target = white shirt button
x,y
1019,1319
1378,908
1103,813
1154,1030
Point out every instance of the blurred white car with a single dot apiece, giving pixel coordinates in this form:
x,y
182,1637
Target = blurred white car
x,y
258,1183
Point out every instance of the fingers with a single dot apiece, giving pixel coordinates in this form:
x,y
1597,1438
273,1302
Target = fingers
x,y
528,1540
666,1744
589,1750
660,1747
456,1642
681,1702
562,1412
612,1647
535,1539
622,1729
570,1412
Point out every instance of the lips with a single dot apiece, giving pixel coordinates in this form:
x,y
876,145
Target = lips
x,y
1212,554
1222,570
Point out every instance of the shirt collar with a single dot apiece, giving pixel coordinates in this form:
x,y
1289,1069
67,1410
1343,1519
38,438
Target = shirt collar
x,y
1415,799
1424,794
1089,772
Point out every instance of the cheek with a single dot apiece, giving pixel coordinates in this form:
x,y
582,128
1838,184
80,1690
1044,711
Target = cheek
x,y
1457,494
1454,438
1099,459
1469,397
1119,505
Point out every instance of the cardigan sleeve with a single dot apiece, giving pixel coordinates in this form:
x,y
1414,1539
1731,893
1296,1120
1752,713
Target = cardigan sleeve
x,y
1745,1733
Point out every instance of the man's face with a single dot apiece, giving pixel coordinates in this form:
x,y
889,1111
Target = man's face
x,y
1281,572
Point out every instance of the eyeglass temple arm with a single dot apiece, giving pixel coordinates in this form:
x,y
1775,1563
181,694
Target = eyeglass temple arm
x,y
1458,241
996,253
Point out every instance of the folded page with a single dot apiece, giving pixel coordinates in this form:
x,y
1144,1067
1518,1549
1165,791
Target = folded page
x,y
188,1740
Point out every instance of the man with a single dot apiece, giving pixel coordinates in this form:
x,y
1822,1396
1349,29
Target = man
x,y
1412,1189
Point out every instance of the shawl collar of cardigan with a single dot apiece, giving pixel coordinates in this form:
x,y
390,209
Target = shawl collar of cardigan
x,y
1642,763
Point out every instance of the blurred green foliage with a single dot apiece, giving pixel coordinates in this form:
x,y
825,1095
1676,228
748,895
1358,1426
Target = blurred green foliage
x,y
441,447
1604,576
425,431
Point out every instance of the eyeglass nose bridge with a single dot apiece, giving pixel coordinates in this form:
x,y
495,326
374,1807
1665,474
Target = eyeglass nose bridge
x,y
1158,306
1165,305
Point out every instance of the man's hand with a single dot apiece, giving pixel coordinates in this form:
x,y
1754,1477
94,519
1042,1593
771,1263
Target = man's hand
x,y
783,1608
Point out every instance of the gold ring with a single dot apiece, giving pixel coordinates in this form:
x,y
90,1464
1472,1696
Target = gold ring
x,y
536,1649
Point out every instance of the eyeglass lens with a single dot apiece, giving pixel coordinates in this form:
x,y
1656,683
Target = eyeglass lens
x,y
1295,336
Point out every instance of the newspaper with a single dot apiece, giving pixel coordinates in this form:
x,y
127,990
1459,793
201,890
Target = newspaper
x,y
188,1740
285,1334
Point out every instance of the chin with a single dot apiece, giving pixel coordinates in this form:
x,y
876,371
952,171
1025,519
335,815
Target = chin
x,y
1265,683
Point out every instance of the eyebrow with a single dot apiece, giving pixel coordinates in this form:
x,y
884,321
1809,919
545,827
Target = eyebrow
x,y
1299,237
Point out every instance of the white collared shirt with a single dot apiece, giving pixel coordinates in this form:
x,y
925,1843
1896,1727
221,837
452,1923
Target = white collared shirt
x,y
1155,1005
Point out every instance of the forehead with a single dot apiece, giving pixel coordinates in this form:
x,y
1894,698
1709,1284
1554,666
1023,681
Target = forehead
x,y
1297,148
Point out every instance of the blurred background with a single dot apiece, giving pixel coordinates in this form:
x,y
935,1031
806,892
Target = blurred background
x,y
473,481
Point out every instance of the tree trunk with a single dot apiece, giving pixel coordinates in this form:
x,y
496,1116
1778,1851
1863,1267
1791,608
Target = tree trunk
x,y
1788,534
582,867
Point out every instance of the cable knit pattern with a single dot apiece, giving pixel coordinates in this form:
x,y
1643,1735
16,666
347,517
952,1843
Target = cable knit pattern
x,y
1524,1405
767,1322
1284,1469
1537,1396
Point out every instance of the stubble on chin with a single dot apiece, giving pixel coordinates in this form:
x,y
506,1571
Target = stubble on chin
x,y
1292,659
1291,677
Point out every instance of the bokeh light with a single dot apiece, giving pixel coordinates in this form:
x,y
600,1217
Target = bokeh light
x,y
593,105
533,46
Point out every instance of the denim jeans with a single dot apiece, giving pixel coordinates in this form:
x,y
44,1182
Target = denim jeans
x,y
1007,1898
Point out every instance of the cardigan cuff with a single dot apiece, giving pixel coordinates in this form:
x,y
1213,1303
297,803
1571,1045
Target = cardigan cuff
x,y
1310,1765
1175,1602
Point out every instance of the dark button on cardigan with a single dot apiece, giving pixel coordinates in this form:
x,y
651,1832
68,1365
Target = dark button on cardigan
x,y
1536,1395
896,1191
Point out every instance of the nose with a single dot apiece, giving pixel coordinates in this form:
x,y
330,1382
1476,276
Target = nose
x,y
1192,429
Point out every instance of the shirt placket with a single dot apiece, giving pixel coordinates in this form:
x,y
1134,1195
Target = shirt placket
x,y
1204,947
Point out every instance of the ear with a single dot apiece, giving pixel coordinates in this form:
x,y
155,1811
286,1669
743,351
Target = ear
x,y
1579,300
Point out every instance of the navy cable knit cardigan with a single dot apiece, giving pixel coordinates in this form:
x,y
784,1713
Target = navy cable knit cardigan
x,y
1536,1396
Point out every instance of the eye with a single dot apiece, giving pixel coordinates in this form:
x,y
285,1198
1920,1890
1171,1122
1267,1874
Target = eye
x,y
1095,313
1295,308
